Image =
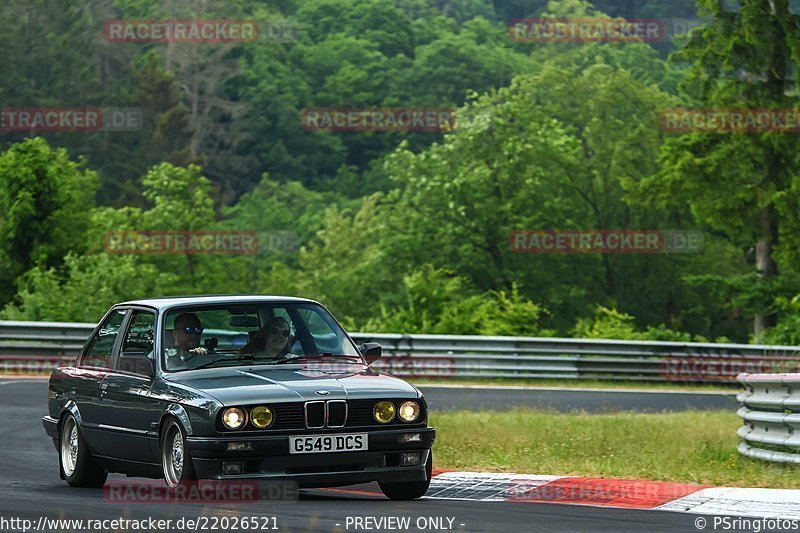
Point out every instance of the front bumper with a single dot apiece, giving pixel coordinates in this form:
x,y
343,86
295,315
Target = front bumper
x,y
269,458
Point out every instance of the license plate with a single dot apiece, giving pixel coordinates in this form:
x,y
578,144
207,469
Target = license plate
x,y
350,442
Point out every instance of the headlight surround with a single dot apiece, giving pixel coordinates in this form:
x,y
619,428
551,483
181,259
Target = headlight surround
x,y
409,411
383,412
262,416
234,418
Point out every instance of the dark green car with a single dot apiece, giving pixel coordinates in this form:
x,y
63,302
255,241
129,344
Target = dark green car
x,y
236,387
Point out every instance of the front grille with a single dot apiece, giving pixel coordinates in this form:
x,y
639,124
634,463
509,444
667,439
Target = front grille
x,y
337,413
287,416
315,415
361,413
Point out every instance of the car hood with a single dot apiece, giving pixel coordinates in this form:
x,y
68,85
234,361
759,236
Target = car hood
x,y
243,385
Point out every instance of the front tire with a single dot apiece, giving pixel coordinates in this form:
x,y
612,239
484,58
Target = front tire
x,y
409,490
176,463
75,461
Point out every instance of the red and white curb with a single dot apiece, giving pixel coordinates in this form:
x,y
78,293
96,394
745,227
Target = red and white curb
x,y
615,493
759,503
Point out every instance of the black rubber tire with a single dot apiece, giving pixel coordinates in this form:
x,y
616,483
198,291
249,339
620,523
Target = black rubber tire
x,y
187,475
86,472
410,490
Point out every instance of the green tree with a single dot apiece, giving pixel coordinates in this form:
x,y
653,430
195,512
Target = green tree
x,y
292,212
556,149
376,21
43,209
477,58
182,201
434,301
612,324
60,294
740,183
165,135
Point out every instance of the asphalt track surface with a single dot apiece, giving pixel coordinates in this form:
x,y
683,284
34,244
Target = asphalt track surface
x,y
30,488
565,400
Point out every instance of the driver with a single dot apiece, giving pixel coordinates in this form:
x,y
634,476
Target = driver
x,y
271,341
186,336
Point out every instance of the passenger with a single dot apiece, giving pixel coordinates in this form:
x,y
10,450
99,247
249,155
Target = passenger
x,y
271,341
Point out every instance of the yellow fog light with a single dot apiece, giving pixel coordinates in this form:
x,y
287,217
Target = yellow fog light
x,y
234,418
409,411
261,416
383,412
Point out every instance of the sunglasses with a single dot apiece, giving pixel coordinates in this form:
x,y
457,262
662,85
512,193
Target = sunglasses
x,y
276,330
189,330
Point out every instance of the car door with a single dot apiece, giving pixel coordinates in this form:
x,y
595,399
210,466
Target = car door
x,y
94,364
126,406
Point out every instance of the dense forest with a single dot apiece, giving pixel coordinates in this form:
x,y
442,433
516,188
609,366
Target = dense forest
x,y
408,231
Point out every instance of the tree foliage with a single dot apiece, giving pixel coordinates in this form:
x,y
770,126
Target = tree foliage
x,y
407,231
43,199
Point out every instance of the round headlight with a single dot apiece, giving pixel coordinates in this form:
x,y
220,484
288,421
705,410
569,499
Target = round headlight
x,y
261,416
409,411
383,412
234,418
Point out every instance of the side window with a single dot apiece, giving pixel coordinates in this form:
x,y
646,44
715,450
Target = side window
x,y
102,344
141,334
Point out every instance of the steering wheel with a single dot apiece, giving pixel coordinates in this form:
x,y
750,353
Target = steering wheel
x,y
207,347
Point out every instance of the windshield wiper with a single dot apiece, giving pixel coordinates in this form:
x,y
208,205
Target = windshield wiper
x,y
246,357
328,356
335,355
288,360
318,356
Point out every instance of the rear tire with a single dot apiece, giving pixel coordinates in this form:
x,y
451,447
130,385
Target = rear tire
x,y
176,463
74,459
409,490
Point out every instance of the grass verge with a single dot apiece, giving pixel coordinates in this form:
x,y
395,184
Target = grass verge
x,y
690,447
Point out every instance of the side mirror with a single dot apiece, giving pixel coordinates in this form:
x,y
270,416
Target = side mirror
x,y
371,351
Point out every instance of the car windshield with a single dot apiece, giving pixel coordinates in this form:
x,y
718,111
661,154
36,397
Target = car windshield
x,y
197,337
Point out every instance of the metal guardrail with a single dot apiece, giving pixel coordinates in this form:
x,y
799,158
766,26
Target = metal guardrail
x,y
771,414
41,346
534,357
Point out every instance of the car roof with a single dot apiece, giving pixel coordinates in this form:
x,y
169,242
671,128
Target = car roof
x,y
170,301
